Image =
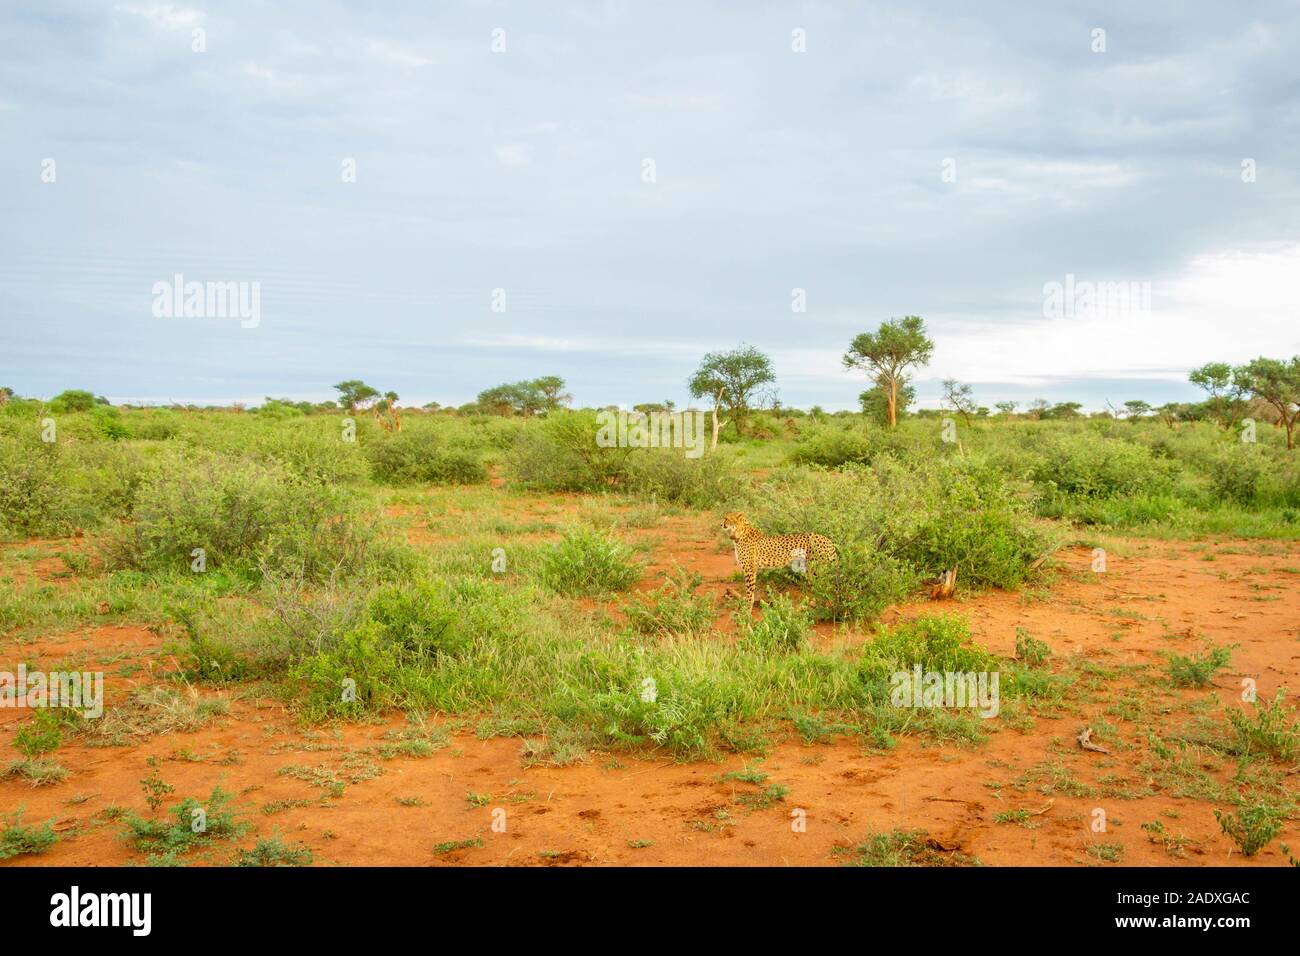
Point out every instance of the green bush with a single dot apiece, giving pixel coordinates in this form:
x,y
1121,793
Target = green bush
x,y
781,626
833,447
422,456
560,453
1198,670
19,840
897,524
1253,826
312,451
936,643
242,514
587,563
72,400
1236,474
675,608
1090,466
34,498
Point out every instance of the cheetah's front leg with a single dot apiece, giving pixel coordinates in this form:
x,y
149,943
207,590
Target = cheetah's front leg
x,y
751,582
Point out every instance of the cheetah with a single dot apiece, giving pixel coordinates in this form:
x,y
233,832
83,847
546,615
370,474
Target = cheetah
x,y
755,550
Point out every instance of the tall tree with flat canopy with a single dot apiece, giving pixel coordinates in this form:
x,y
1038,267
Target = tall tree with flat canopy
x,y
1217,380
887,354
1276,382
354,394
737,381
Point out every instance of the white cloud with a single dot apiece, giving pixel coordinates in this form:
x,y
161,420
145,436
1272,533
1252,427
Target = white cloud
x,y
164,15
394,55
513,154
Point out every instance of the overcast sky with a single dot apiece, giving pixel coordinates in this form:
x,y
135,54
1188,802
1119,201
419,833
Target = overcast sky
x,y
946,159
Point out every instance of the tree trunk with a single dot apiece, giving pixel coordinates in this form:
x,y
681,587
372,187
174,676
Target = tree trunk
x,y
893,402
716,427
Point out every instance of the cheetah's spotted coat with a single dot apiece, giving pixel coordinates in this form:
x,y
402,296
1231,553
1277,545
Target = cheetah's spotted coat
x,y
755,550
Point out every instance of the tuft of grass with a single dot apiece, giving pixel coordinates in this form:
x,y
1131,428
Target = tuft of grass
x,y
675,608
587,563
1267,730
904,848
190,824
1253,825
451,846
1198,670
1031,650
37,772
782,626
19,840
272,851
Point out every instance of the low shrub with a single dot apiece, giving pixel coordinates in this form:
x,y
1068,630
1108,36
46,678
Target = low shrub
x,y
587,563
196,511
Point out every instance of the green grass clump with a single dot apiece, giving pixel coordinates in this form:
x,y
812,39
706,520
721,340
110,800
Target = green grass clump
x,y
273,851
1270,730
19,840
781,626
588,564
1198,670
241,514
190,824
675,608
937,643
904,848
1253,825
420,455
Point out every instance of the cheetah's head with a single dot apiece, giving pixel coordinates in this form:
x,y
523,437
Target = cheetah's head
x,y
735,524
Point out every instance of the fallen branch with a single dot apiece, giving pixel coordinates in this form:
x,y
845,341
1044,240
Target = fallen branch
x,y
1085,741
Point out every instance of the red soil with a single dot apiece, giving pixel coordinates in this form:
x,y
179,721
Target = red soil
x,y
1155,597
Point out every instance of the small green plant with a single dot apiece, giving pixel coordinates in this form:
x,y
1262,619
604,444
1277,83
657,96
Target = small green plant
x,y
43,734
19,840
192,823
1031,650
1106,852
675,608
1253,824
155,789
1159,834
1267,730
588,564
782,626
905,848
272,851
1198,670
452,845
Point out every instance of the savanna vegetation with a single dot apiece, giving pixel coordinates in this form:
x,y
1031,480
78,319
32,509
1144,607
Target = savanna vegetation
x,y
270,546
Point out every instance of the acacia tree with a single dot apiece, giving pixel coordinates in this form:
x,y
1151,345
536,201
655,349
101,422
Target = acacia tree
x,y
354,394
875,403
738,381
551,390
526,398
1276,382
1006,408
960,397
386,413
1221,387
887,354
